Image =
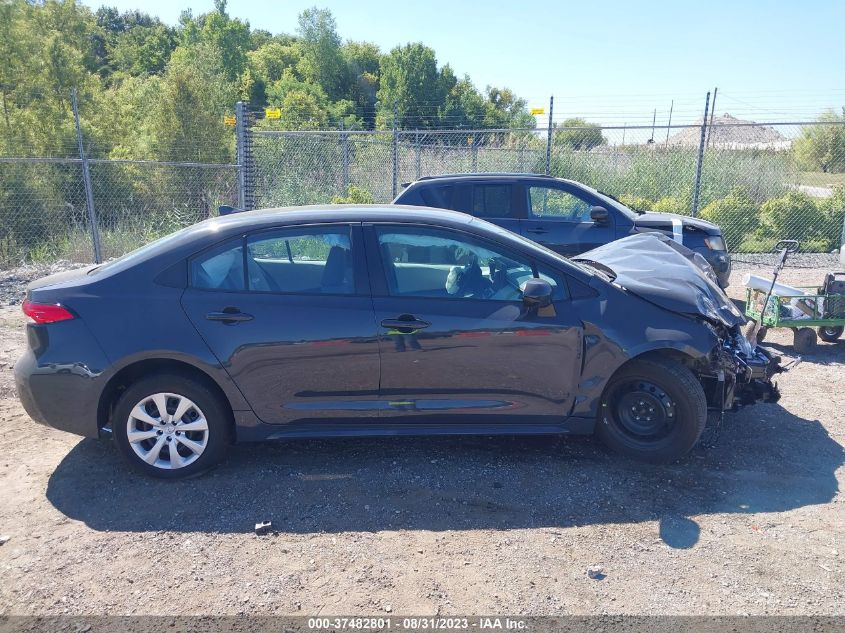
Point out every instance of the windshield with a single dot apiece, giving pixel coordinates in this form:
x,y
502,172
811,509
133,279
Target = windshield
x,y
614,202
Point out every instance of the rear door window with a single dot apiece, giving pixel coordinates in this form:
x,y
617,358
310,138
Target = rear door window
x,y
492,201
301,261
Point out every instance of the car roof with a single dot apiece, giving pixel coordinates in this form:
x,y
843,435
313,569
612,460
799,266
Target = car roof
x,y
337,213
489,176
224,227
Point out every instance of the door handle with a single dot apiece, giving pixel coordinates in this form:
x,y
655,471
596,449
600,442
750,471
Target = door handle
x,y
229,316
537,231
406,324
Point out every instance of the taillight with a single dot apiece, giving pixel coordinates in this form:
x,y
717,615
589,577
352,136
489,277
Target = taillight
x,y
45,312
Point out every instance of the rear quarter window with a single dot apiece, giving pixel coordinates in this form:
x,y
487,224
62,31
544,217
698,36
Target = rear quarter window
x,y
438,197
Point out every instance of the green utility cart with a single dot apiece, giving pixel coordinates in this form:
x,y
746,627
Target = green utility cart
x,y
822,309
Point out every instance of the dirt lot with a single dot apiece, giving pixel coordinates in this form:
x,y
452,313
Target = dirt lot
x,y
752,525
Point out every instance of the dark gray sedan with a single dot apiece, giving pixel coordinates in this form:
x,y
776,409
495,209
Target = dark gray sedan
x,y
336,321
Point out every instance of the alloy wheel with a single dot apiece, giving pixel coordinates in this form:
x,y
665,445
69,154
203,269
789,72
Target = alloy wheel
x,y
167,431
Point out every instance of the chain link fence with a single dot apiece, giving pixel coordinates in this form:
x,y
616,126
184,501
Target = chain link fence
x,y
751,179
44,211
759,182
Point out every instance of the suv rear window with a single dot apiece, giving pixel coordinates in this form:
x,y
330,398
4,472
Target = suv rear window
x,y
485,200
491,201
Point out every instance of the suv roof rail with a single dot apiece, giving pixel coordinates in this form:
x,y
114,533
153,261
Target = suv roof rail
x,y
484,173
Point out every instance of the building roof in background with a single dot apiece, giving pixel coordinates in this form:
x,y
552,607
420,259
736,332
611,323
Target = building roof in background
x,y
729,132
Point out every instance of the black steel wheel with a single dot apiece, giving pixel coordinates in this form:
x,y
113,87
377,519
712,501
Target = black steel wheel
x,y
830,333
653,409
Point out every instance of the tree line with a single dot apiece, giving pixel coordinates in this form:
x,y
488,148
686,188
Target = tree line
x,y
147,89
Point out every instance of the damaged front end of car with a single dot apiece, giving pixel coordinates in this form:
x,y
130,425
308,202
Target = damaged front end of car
x,y
738,374
735,373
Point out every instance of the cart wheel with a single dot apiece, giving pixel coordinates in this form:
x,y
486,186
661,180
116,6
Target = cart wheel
x,y
830,333
804,341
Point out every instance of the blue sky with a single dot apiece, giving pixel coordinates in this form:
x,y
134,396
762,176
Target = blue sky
x,y
615,61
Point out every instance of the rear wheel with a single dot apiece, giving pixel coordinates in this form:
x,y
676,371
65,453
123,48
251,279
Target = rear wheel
x,y
830,333
804,340
171,426
653,409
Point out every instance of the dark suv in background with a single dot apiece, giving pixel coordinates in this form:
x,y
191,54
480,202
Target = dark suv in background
x,y
563,215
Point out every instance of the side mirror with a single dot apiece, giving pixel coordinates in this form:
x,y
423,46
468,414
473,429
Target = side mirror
x,y
599,215
536,293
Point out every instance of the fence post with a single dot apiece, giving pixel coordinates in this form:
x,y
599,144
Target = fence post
x,y
549,139
344,153
696,190
246,164
475,152
86,179
419,153
395,150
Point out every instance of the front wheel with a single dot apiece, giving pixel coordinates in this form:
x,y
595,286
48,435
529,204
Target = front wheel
x,y
653,409
171,426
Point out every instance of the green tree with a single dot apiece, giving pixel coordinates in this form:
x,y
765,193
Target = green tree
x,y
229,37
505,109
270,61
578,134
464,106
408,77
194,95
144,50
322,60
822,147
362,61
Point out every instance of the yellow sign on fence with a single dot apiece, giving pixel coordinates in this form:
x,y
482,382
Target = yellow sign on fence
x,y
272,113
538,110
229,120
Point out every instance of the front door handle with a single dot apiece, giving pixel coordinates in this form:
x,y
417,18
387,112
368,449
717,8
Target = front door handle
x,y
229,316
537,231
406,324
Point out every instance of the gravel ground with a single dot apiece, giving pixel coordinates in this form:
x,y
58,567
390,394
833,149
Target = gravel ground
x,y
13,281
754,524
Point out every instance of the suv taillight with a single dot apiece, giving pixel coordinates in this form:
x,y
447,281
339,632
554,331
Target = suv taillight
x,y
45,312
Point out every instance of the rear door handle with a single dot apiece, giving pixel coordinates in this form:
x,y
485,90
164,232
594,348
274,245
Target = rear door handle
x,y
538,231
406,324
229,316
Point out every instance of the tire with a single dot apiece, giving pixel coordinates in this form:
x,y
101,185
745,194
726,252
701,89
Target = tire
x,y
627,422
205,418
830,333
804,340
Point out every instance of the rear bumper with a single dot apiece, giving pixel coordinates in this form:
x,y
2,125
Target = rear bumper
x,y
63,396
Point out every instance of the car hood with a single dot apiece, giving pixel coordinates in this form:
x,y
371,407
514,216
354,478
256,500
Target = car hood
x,y
664,222
658,269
